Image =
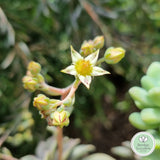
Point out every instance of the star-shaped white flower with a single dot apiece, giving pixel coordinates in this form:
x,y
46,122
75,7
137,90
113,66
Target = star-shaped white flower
x,y
84,68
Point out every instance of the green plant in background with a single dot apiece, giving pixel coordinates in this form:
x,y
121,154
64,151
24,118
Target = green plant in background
x,y
124,151
20,129
147,99
83,67
37,30
16,119
72,150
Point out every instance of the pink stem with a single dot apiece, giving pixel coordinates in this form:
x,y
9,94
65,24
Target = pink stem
x,y
53,91
72,91
60,142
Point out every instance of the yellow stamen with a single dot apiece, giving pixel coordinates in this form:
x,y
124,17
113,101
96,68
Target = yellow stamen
x,y
83,67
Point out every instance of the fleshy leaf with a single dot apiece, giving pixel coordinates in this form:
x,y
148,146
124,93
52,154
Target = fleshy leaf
x,y
122,152
99,156
81,150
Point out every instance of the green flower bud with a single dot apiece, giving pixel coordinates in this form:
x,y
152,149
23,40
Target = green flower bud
x,y
91,46
41,102
34,67
98,42
30,83
40,78
114,55
151,115
136,120
87,48
60,118
53,103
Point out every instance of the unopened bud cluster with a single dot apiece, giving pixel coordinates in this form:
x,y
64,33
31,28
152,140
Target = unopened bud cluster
x,y
91,46
111,56
49,110
33,77
60,118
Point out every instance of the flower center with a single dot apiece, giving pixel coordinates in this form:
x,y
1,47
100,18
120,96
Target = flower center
x,y
83,67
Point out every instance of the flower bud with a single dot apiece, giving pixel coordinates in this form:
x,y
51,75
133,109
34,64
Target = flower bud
x,y
45,104
41,102
53,103
34,67
87,48
40,78
30,83
98,42
114,55
60,118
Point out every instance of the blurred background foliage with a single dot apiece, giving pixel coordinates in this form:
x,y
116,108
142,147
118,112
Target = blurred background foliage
x,y
43,30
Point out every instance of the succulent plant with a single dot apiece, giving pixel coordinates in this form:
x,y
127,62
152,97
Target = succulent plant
x,y
126,152
20,130
147,99
72,150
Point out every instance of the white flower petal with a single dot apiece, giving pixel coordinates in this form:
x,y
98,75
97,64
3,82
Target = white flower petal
x,y
93,57
86,80
97,71
70,70
75,55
